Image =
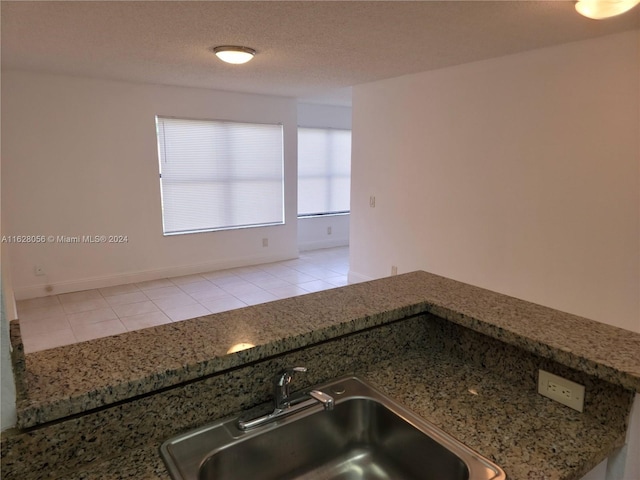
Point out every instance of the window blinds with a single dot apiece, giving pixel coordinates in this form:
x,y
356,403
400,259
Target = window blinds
x,y
324,171
219,175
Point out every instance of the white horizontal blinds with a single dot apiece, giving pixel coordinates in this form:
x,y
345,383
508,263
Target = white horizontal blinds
x,y
219,175
324,171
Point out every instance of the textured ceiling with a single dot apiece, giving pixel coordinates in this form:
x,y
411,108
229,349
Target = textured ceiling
x,y
308,49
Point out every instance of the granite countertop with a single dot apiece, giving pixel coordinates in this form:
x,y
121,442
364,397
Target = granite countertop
x,y
524,433
64,381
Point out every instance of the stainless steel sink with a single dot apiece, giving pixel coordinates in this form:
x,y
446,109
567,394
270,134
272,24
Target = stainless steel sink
x,y
366,436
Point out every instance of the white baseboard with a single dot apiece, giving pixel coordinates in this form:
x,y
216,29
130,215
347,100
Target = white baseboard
x,y
355,277
89,283
320,244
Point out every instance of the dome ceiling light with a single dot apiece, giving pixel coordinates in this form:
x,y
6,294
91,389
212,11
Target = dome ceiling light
x,y
234,54
599,9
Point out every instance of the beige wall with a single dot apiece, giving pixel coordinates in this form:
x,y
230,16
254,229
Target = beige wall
x,y
79,157
518,174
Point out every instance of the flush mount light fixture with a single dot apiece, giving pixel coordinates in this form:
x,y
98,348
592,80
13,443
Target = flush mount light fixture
x,y
599,9
234,54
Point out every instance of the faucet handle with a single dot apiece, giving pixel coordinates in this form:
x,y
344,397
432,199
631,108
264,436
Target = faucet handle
x,y
326,400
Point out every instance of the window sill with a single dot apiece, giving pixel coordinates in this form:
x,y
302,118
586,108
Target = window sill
x,y
323,215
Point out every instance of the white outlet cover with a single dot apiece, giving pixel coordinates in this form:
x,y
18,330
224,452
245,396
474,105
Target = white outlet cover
x,y
561,390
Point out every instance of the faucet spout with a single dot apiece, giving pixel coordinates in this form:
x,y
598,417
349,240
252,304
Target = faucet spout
x,y
285,403
281,386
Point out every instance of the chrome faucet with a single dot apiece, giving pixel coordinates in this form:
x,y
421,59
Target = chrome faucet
x,y
281,390
285,403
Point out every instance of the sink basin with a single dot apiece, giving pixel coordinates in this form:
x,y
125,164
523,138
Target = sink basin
x,y
366,436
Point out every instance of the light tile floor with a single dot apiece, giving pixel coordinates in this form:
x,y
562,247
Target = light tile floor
x,y
64,319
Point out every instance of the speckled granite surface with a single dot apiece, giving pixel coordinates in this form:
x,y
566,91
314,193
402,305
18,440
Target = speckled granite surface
x,y
77,378
518,431
105,433
427,363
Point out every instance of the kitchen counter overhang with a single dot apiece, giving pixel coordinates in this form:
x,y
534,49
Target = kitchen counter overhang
x,y
461,356
64,381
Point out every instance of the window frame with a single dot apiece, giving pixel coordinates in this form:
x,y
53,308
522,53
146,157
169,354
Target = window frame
x,y
327,213
279,178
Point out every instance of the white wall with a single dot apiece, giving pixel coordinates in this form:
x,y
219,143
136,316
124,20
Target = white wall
x,y
331,116
323,232
7,312
313,232
519,174
7,384
80,158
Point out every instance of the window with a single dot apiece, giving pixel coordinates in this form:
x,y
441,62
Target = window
x,y
324,171
217,175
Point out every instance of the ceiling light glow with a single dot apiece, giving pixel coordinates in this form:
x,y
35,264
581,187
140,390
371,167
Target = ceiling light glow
x,y
599,9
234,54
238,347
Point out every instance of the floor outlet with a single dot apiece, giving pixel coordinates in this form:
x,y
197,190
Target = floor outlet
x,y
561,390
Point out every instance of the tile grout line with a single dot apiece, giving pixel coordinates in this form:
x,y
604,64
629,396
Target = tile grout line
x,y
316,263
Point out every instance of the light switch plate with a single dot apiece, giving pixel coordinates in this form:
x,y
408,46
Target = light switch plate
x,y
561,390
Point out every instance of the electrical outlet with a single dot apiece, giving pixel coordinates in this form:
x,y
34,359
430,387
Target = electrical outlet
x,y
265,242
394,270
561,390
372,201
328,230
